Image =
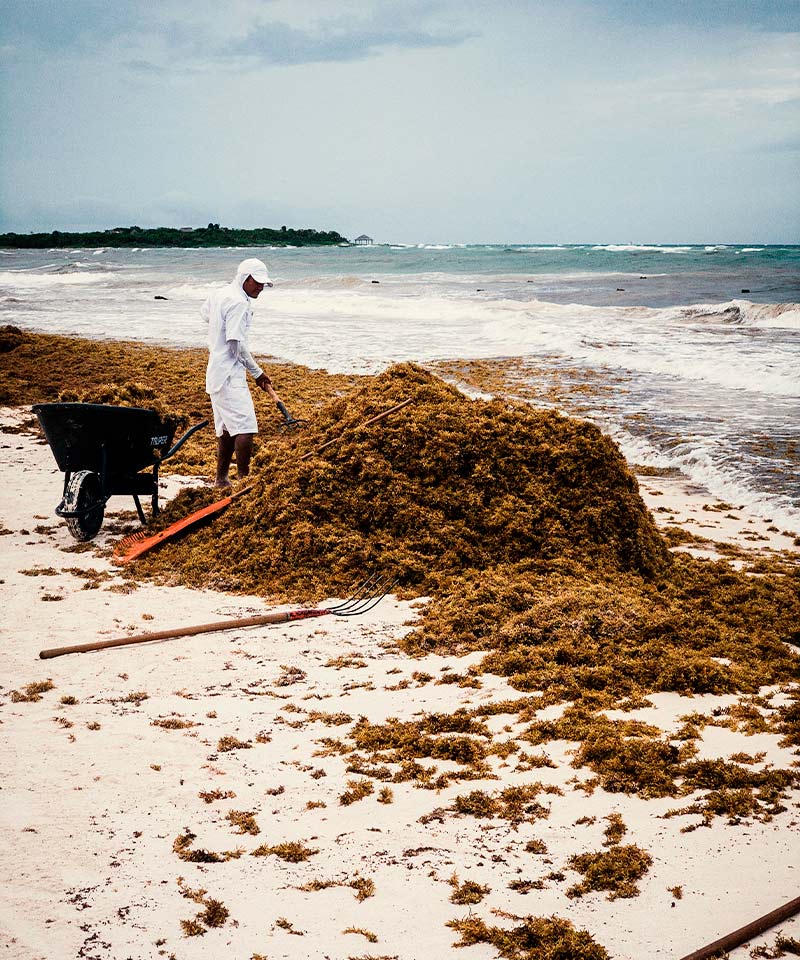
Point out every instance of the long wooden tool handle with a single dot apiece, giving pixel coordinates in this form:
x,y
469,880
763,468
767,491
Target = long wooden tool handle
x,y
380,416
747,932
283,617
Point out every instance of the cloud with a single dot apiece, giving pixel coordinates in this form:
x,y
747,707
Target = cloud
x,y
175,35
279,43
71,27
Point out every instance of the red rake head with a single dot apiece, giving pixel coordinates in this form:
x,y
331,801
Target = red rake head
x,y
133,546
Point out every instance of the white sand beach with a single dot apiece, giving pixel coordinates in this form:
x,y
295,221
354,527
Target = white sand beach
x,y
102,773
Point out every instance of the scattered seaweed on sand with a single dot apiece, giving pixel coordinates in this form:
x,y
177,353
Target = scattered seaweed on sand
x,y
536,846
536,938
182,846
172,723
518,804
525,886
228,743
245,821
615,870
632,757
213,914
370,936
356,790
439,736
734,791
330,719
32,692
292,851
364,887
781,947
615,830
136,697
193,928
467,893
209,796
288,926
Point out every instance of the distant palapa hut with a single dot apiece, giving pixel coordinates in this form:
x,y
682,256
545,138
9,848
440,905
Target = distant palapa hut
x,y
363,241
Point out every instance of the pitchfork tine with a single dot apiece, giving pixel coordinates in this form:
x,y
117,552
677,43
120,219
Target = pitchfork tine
x,y
355,603
355,596
363,590
368,603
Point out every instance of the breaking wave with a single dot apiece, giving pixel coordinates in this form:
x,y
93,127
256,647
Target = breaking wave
x,y
745,312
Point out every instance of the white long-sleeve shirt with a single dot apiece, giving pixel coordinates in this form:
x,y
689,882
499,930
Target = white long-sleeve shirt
x,y
229,314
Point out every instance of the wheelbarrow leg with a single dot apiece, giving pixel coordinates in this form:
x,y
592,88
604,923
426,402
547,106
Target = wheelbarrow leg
x,y
154,501
139,508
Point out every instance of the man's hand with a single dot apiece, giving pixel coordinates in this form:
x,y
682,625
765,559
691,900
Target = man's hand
x,y
263,382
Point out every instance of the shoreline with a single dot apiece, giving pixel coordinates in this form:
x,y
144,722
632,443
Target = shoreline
x,y
101,877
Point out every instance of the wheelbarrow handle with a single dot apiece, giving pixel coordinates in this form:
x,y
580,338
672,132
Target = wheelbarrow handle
x,y
183,439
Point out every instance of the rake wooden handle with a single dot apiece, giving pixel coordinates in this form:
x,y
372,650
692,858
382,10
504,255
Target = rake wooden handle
x,y
266,618
366,423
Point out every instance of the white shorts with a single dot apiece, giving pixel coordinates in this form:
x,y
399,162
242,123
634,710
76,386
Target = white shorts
x,y
233,408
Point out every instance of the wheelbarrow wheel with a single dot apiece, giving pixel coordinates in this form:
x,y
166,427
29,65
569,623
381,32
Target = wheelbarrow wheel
x,y
84,497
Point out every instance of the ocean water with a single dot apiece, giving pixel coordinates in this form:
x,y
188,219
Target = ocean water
x,y
698,346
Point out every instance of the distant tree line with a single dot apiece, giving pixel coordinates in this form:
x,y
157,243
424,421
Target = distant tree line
x,y
211,236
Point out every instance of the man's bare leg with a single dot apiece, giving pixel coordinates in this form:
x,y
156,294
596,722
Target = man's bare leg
x,y
225,448
243,443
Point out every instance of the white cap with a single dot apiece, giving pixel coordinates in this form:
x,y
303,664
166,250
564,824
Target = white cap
x,y
256,269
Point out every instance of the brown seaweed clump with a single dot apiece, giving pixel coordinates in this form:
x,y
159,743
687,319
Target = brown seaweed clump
x,y
536,938
615,870
32,692
444,486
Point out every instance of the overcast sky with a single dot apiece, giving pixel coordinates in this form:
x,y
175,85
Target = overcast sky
x,y
412,120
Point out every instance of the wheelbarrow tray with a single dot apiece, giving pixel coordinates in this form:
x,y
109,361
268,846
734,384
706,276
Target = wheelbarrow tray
x,y
119,441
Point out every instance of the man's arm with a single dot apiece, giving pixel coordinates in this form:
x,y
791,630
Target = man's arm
x,y
234,335
243,355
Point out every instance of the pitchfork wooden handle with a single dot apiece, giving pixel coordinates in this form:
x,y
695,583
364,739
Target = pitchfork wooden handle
x,y
366,423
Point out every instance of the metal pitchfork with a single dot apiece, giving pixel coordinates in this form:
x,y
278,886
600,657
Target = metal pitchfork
x,y
363,599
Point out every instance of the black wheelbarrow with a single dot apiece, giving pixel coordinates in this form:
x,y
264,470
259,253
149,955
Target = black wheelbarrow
x,y
102,450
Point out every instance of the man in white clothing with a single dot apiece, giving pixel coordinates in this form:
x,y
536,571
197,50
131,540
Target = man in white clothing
x,y
229,314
